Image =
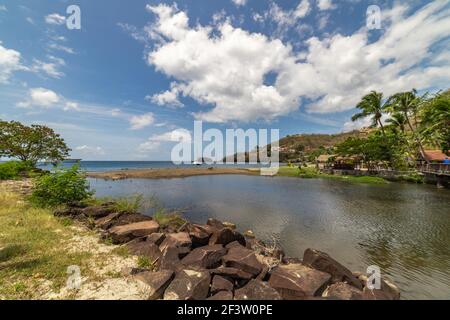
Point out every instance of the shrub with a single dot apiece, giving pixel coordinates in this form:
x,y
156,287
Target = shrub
x,y
62,187
14,169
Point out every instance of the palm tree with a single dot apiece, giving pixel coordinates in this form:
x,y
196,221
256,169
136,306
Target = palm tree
x,y
372,105
397,120
408,103
435,120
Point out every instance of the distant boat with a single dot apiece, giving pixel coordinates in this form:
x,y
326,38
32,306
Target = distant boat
x,y
197,163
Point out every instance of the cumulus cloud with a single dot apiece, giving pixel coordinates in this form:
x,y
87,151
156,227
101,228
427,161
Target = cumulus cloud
x,y
141,121
55,19
325,5
40,97
167,98
226,68
154,142
240,2
9,62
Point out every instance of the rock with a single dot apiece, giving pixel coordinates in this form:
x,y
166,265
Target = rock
x,y
180,240
170,260
222,296
296,281
323,262
145,248
291,260
229,225
156,238
263,274
68,212
126,218
215,223
126,233
130,271
243,259
342,291
205,228
220,283
189,285
233,244
107,222
199,236
257,290
155,283
388,291
232,273
225,236
206,257
97,212
249,234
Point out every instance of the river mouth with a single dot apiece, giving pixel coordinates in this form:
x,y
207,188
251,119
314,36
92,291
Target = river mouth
x,y
402,228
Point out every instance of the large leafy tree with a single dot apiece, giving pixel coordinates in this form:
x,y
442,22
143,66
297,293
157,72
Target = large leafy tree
x,y
435,121
31,143
372,105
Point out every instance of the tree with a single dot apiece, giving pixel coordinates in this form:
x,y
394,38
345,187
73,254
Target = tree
x,y
408,103
397,120
31,143
372,106
435,121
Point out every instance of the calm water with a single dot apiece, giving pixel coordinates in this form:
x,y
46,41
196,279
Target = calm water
x,y
403,228
101,166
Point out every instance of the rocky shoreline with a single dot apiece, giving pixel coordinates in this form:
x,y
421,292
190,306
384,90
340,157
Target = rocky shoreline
x,y
213,261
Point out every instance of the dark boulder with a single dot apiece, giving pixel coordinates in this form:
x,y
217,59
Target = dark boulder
x,y
323,262
100,211
156,238
199,236
126,233
107,222
189,285
146,249
222,296
220,283
225,236
233,273
242,259
215,223
170,260
342,291
205,257
155,283
297,282
180,240
257,290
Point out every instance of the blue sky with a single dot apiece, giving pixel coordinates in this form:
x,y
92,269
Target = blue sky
x,y
135,72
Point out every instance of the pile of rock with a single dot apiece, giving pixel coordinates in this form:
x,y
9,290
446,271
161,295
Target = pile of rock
x,y
213,261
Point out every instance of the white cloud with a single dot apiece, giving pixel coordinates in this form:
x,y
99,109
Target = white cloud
x,y
55,46
55,19
3,8
142,121
302,9
70,105
154,142
167,98
49,68
90,150
40,97
9,62
212,66
325,5
240,2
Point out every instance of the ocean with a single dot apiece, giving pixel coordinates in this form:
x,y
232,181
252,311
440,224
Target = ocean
x,y
102,166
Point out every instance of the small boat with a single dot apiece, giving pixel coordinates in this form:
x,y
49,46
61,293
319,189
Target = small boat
x,y
197,163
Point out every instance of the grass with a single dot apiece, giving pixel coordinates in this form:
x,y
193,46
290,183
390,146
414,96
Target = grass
x,y
32,250
145,263
168,219
310,173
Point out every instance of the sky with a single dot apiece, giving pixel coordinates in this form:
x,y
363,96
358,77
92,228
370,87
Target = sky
x,y
137,71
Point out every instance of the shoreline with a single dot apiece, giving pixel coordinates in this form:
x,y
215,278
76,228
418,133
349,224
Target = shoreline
x,y
169,173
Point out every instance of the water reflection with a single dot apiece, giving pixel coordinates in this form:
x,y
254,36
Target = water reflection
x,y
404,229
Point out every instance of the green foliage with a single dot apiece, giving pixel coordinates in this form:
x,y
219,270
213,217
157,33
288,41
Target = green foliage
x,y
145,263
62,187
371,105
14,170
31,143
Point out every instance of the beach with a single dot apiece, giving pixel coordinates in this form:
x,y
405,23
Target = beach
x,y
167,173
